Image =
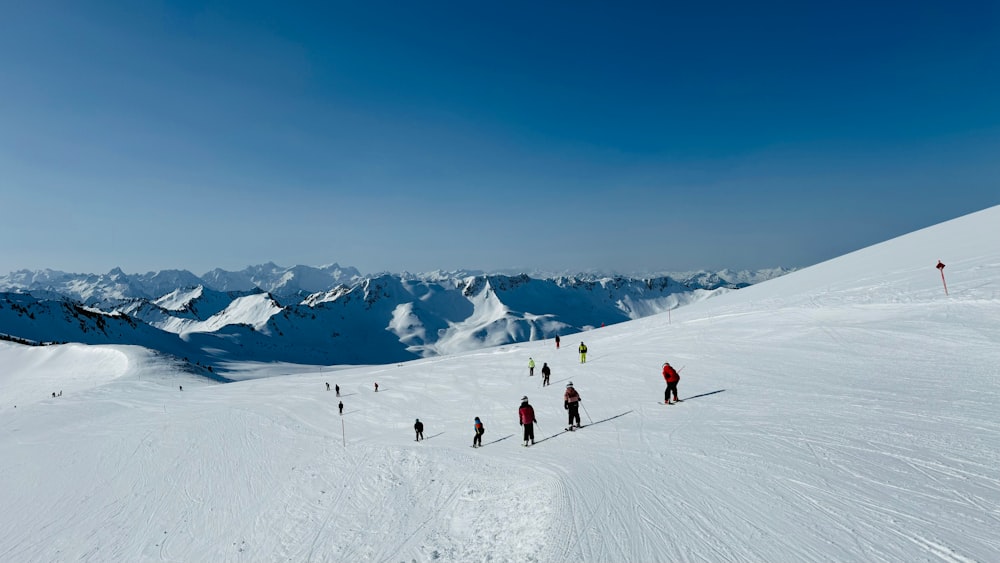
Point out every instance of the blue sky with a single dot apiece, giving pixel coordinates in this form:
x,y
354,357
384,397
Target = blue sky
x,y
538,135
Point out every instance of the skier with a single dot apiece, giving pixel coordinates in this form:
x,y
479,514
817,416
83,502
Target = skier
x,y
181,387
583,353
571,402
531,366
546,372
477,441
327,385
557,342
671,376
526,414
376,386
337,389
418,427
341,408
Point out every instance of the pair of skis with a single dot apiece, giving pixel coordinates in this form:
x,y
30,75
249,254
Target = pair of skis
x,y
673,403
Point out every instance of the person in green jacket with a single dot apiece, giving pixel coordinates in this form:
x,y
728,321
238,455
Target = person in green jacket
x,y
531,366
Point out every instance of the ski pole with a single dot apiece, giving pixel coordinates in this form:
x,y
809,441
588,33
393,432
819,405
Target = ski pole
x,y
587,413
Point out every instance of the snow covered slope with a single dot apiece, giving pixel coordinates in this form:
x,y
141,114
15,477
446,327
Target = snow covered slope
x,y
846,412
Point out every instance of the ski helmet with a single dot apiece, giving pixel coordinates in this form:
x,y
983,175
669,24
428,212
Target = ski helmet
x,y
570,384
524,399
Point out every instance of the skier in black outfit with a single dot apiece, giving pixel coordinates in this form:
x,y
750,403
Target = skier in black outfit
x,y
419,428
337,389
341,407
546,372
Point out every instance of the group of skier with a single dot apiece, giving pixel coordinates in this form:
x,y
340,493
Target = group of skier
x,y
526,413
571,401
340,405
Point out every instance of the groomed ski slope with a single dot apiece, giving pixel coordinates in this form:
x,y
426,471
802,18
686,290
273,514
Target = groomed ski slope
x,y
846,412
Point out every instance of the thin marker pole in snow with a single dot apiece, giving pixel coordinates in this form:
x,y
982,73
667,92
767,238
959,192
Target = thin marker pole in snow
x,y
940,266
343,432
587,413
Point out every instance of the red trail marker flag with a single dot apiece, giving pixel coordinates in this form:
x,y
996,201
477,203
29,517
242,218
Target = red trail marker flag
x,y
940,266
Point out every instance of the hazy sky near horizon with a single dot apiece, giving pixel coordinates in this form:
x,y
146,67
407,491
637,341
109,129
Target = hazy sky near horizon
x,y
418,136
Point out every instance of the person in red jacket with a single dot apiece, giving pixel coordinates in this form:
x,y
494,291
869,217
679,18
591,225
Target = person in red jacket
x,y
671,376
526,414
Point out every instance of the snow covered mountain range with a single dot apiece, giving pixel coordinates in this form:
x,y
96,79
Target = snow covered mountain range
x,y
333,314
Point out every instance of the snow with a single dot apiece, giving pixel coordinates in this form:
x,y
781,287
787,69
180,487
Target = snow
x,y
845,412
252,310
179,299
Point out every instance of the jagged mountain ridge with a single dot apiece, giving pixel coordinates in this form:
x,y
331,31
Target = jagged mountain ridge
x,y
380,319
107,290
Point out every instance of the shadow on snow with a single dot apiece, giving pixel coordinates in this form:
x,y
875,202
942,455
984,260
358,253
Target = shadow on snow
x,y
591,424
497,440
704,394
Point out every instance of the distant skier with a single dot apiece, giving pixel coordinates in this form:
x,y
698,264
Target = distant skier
x,y
418,427
327,385
526,414
477,440
546,372
181,387
571,402
60,393
53,394
583,353
337,389
340,407
557,342
376,386
671,376
531,366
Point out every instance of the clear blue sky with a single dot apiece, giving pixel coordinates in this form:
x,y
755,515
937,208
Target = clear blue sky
x,y
439,135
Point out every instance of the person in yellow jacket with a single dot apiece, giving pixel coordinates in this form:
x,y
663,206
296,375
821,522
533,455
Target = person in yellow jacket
x,y
583,353
531,366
